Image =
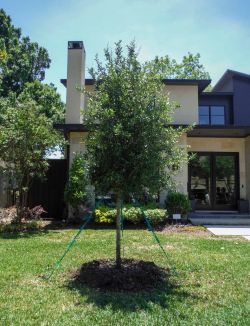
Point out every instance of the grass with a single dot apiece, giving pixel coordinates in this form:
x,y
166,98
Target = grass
x,y
212,287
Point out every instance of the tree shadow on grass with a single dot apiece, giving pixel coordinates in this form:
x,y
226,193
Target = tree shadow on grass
x,y
163,295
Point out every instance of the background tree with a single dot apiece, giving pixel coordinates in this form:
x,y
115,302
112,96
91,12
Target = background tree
x,y
26,136
189,68
25,61
130,145
47,98
22,69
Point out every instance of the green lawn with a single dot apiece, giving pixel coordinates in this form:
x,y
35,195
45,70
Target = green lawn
x,y
212,287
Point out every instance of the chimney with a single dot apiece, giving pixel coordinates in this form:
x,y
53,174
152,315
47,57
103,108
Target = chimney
x,y
75,78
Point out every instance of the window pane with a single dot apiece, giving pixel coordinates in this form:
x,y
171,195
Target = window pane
x,y
204,110
217,110
217,120
203,120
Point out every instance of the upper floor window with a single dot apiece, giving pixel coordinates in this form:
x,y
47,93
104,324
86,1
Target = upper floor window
x,y
211,115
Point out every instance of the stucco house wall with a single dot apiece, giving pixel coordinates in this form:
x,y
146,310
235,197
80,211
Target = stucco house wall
x,y
187,97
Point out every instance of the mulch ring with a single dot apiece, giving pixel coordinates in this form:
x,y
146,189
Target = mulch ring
x,y
134,275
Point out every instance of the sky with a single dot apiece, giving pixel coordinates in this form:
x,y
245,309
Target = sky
x,y
217,29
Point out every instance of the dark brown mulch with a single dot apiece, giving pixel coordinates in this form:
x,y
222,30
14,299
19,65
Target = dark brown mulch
x,y
134,275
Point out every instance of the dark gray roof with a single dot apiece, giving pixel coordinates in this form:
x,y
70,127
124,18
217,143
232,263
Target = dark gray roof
x,y
201,83
229,74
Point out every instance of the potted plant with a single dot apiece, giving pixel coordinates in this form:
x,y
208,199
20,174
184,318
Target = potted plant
x,y
177,204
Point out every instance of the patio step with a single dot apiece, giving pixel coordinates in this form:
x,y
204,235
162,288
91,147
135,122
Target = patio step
x,y
219,219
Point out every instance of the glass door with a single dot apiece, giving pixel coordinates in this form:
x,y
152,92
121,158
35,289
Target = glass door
x,y
214,180
200,181
225,181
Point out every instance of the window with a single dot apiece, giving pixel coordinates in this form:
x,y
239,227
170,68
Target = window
x,y
211,115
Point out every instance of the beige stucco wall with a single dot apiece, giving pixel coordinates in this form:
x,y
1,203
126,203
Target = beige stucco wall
x,y
247,157
181,179
223,145
187,97
76,142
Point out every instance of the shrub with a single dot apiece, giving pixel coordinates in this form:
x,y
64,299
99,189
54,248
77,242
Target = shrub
x,y
177,203
76,191
132,214
104,214
33,225
151,205
15,227
156,215
34,213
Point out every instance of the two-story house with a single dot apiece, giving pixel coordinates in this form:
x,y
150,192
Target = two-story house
x,y
219,174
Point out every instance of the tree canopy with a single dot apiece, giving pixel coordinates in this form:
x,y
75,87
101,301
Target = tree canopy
x,y
22,69
189,68
47,99
23,61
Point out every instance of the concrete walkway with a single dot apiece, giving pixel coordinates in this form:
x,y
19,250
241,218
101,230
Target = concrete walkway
x,y
230,230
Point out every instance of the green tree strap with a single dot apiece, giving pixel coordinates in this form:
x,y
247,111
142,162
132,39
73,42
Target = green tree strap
x,y
58,263
150,228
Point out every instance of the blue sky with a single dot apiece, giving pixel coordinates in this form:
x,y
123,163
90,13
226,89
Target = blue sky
x,y
218,30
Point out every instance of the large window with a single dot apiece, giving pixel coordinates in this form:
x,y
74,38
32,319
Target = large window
x,y
211,115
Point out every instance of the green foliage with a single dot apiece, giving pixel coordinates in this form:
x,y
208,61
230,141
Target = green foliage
x,y
47,99
15,227
26,136
25,61
22,68
76,191
104,214
189,68
130,147
177,203
132,214
150,205
156,215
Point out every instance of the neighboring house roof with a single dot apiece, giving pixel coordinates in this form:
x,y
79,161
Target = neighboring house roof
x,y
228,75
201,83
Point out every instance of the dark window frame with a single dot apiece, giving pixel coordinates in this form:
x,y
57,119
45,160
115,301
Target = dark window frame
x,y
209,115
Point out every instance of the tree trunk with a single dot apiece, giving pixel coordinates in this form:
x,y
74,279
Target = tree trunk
x,y
118,232
22,200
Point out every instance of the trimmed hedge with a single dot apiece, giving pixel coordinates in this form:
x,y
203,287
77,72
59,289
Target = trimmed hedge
x,y
131,214
104,214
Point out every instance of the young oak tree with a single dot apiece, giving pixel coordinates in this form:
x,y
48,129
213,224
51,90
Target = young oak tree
x,y
130,147
26,136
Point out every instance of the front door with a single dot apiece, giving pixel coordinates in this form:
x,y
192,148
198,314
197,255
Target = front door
x,y
214,180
